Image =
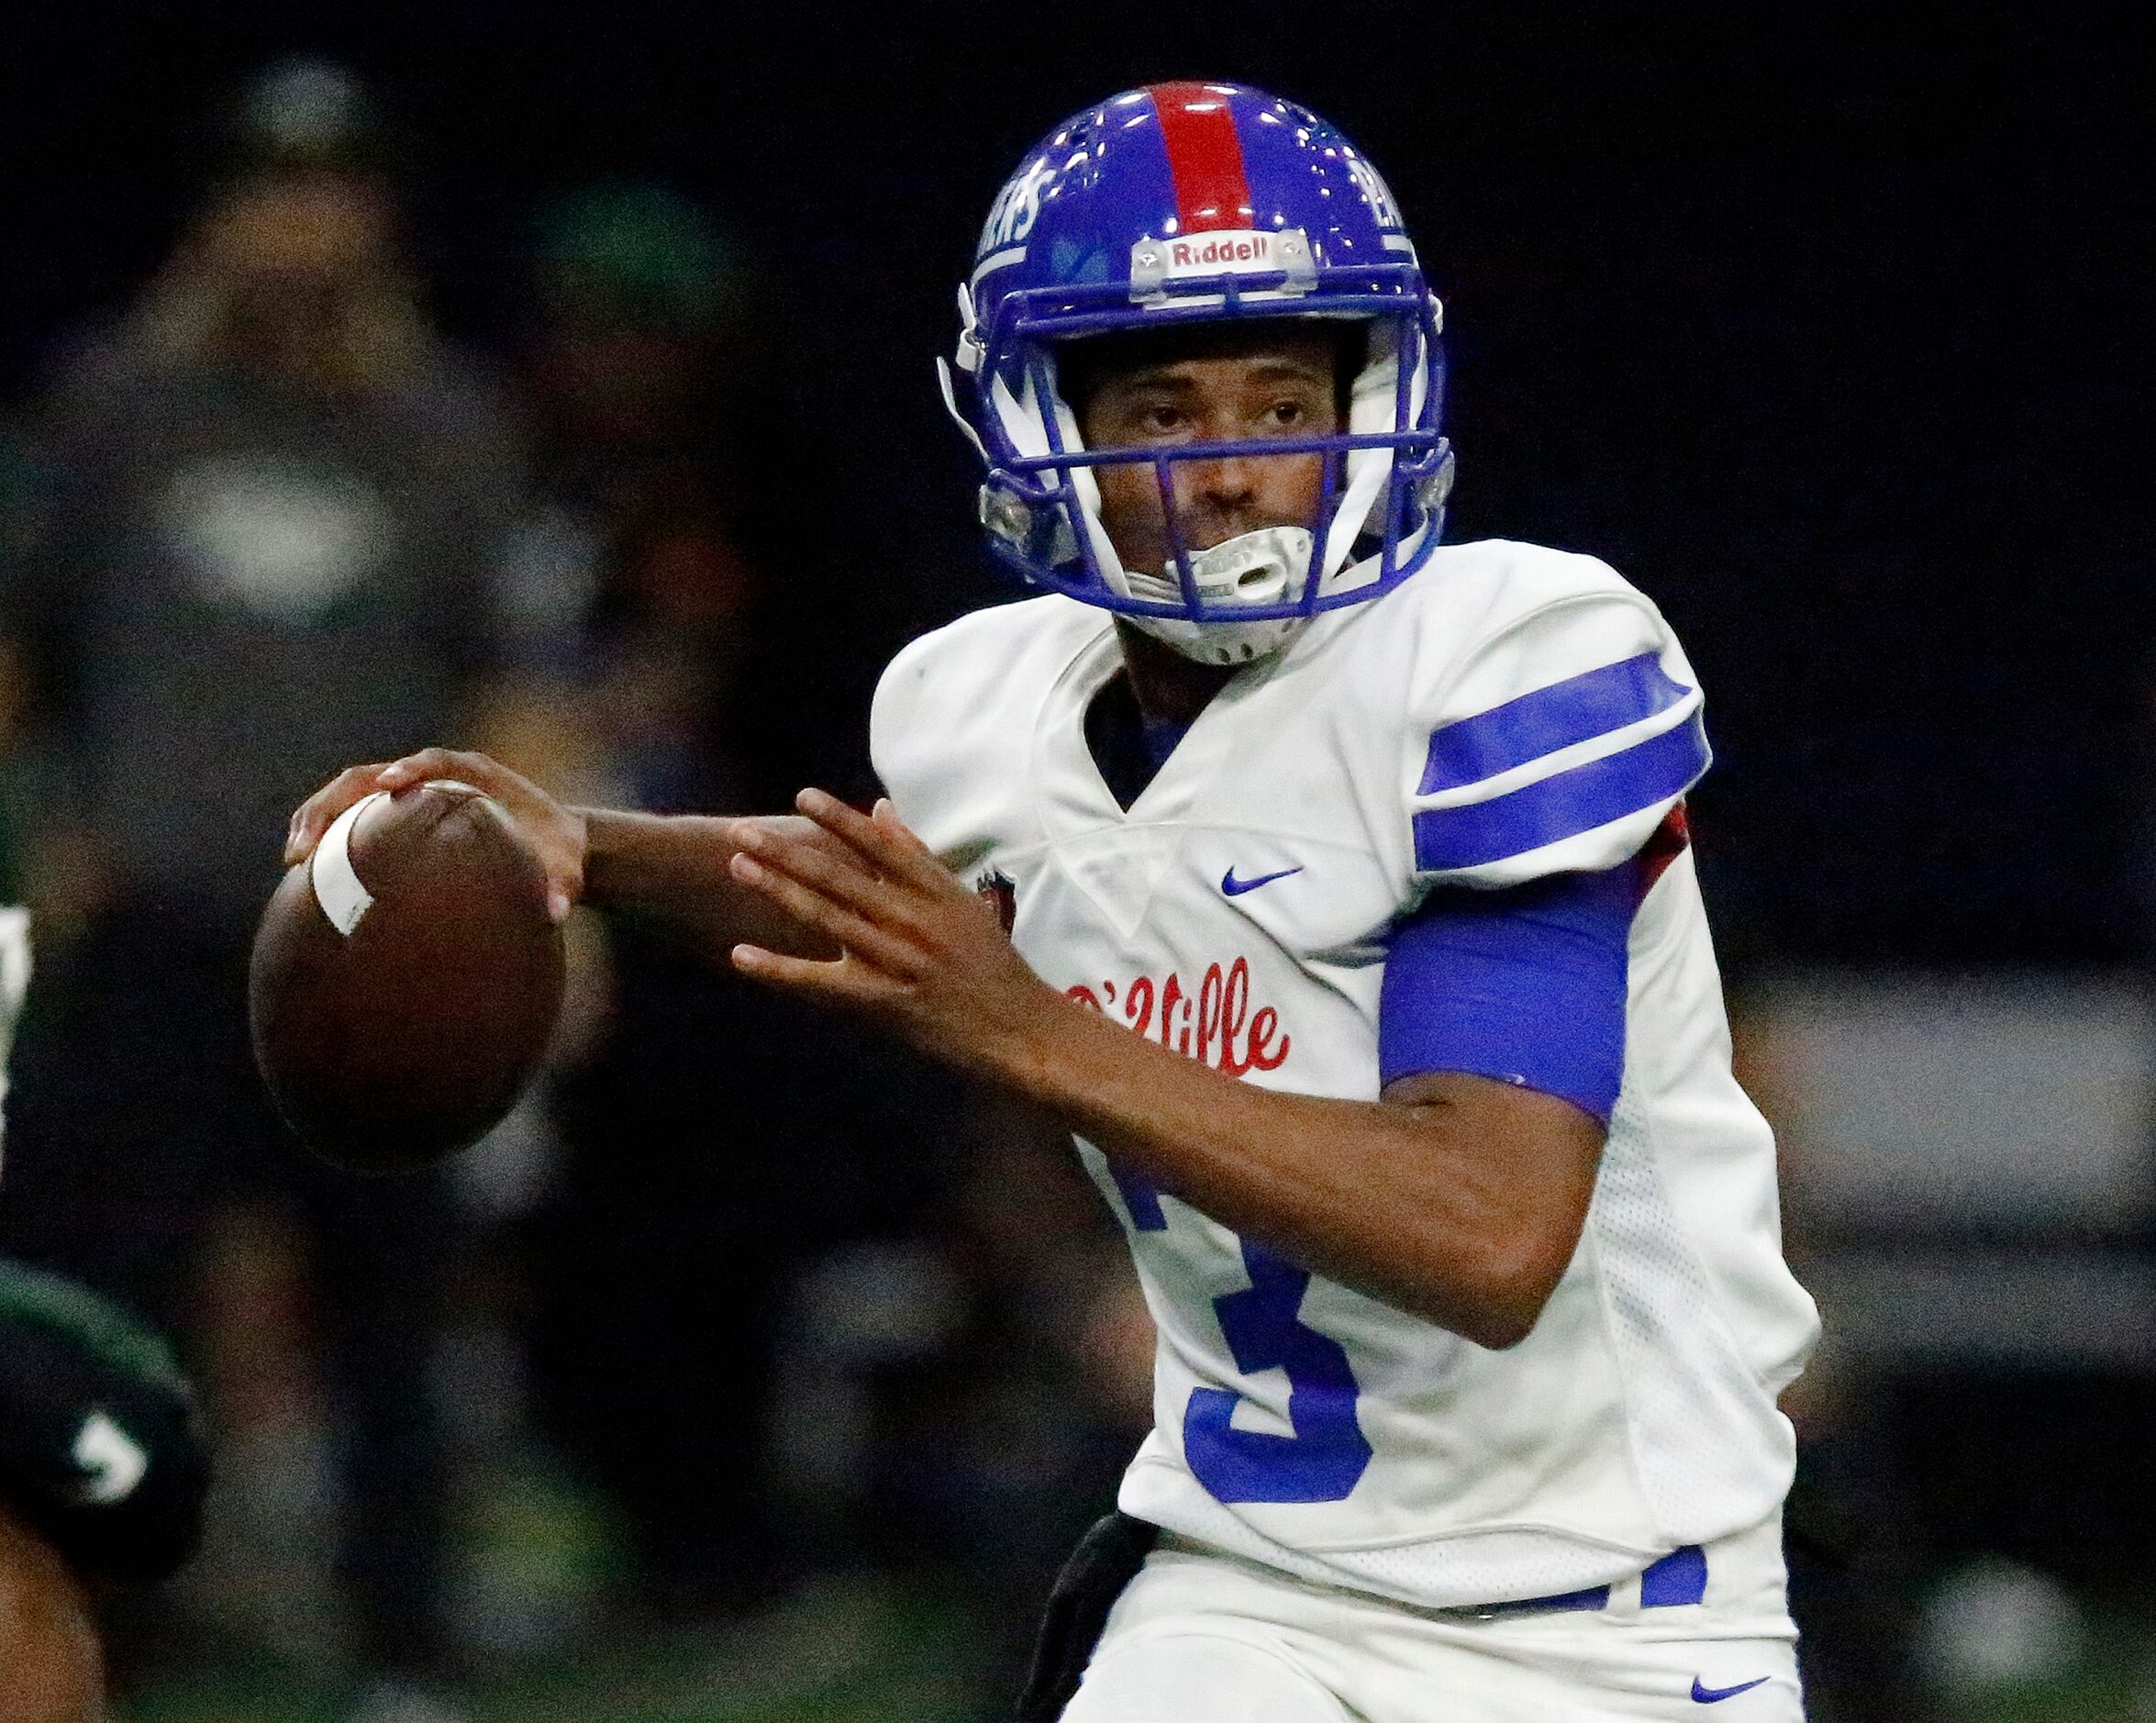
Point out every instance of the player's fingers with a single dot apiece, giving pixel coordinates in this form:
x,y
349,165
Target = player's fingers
x,y
844,824
315,816
838,877
884,816
880,848
925,865
482,771
796,827
554,834
415,768
834,921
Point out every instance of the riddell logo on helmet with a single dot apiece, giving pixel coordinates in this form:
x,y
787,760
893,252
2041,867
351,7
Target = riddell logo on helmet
x,y
1220,254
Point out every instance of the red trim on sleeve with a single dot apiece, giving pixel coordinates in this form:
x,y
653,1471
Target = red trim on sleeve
x,y
1667,843
1204,157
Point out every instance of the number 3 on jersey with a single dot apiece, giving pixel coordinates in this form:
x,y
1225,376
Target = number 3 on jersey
x,y
1262,1323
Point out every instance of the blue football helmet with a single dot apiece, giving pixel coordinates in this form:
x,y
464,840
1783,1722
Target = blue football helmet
x,y
1186,202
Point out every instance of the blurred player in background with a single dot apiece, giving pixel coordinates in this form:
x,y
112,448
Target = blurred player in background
x,y
103,1472
102,1467
1334,885
632,382
258,533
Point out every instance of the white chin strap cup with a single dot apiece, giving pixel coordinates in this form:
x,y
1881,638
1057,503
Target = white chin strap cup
x,y
1266,567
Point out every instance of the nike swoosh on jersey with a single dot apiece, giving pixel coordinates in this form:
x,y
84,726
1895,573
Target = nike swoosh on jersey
x,y
1234,887
1715,1696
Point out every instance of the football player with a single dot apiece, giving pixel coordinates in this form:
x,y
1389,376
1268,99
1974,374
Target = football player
x,y
1333,882
103,1463
103,1468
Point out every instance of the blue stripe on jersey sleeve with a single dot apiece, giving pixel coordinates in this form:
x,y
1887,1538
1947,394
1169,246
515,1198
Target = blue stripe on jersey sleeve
x,y
1564,804
1526,985
1540,723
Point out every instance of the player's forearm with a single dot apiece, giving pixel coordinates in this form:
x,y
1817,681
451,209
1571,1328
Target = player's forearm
x,y
1465,1210
673,867
1416,1205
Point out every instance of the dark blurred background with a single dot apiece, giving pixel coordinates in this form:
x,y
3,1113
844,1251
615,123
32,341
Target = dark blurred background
x,y
761,1362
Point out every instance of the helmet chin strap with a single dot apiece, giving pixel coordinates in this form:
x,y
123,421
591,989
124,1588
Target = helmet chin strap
x,y
1265,567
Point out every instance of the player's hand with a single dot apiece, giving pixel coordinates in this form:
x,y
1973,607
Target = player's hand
x,y
555,834
918,950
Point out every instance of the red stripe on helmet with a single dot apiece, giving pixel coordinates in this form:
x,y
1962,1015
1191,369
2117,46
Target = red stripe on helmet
x,y
1204,157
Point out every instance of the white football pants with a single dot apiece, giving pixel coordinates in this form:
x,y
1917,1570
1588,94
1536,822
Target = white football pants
x,y
1199,1637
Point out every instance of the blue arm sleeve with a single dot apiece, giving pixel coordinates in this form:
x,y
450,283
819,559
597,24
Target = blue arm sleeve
x,y
1524,985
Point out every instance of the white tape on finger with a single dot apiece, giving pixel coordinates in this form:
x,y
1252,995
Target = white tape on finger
x,y
337,883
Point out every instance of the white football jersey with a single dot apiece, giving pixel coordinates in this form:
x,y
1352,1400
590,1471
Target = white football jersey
x,y
1509,713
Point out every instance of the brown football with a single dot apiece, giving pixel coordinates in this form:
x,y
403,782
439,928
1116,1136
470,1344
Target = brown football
x,y
405,980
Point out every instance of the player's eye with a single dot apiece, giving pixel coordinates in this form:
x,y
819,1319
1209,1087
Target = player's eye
x,y
1286,413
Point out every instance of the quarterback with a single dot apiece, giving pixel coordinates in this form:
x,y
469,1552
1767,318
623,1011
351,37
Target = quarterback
x,y
1333,884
